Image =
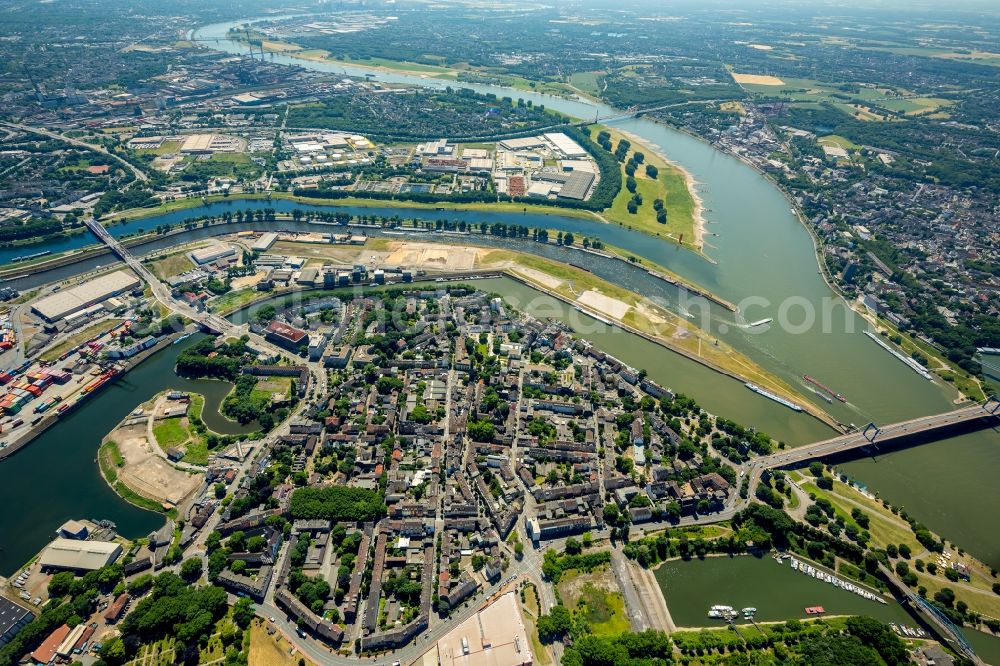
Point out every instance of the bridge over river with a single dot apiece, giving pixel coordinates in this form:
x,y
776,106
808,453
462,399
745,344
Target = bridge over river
x,y
985,413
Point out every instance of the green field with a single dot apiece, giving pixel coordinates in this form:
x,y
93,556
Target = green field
x,y
171,265
670,185
586,82
234,300
170,432
843,96
836,140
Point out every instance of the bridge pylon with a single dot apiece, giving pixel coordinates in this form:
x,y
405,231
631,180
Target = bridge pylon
x,y
871,431
992,404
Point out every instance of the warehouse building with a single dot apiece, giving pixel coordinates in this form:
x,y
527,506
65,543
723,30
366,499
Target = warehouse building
x,y
207,144
264,243
565,145
526,143
73,555
13,619
207,255
69,301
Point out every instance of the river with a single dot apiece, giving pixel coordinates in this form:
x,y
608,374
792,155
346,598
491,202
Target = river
x,y
763,253
760,250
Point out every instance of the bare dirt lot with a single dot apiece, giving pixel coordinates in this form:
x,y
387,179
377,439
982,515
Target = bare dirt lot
x,y
609,306
440,257
146,472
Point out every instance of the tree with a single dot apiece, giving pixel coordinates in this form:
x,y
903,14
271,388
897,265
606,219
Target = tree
x,y
573,546
243,612
554,625
652,171
836,651
481,431
880,638
113,651
191,569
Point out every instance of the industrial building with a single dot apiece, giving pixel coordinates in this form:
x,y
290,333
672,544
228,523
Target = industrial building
x,y
69,301
264,243
74,555
526,143
13,618
73,529
207,255
574,185
565,145
206,144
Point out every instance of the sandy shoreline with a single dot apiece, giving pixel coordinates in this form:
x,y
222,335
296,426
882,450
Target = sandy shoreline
x,y
698,220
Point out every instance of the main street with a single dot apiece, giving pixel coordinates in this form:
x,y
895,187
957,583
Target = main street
x,y
139,173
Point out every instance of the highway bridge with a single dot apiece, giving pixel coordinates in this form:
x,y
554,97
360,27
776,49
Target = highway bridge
x,y
986,412
161,292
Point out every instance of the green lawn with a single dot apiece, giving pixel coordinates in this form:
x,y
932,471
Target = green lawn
x,y
885,527
170,432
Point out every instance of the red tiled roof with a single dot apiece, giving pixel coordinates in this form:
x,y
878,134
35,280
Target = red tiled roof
x,y
47,650
290,333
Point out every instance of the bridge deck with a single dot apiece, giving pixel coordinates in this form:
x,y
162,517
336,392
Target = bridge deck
x,y
858,439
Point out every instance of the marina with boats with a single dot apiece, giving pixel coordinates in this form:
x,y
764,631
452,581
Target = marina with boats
x,y
836,581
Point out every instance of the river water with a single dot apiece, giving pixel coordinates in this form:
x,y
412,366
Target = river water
x,y
777,592
760,252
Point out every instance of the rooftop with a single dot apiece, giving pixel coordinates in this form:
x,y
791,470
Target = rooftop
x,y
495,636
82,555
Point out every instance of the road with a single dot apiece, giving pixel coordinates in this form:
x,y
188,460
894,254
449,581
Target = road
x,y
139,173
858,439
